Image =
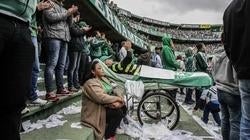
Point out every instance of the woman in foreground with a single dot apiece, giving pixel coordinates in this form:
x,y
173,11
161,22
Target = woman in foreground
x,y
102,104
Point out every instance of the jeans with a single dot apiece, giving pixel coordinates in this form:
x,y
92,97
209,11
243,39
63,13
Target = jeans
x,y
66,67
35,72
230,115
189,93
16,59
208,108
244,86
84,68
74,62
57,54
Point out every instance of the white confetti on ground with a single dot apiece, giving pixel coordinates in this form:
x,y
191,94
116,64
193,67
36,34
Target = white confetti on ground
x,y
41,93
53,120
76,125
70,110
154,131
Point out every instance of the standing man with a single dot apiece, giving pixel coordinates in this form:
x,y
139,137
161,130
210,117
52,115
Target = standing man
x,y
56,22
200,63
189,68
16,57
228,95
200,60
76,46
32,96
236,42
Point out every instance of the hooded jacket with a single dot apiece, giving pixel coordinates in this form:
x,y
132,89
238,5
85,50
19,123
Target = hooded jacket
x,y
223,73
168,58
236,36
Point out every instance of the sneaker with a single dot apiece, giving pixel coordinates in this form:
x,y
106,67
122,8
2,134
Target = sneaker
x,y
73,89
39,101
25,110
62,92
51,96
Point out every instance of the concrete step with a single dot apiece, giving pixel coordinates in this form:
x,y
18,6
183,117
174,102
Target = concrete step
x,y
42,112
64,132
41,84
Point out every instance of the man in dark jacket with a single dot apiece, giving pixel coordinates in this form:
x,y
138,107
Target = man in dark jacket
x,y
56,23
200,63
200,59
76,46
236,42
189,68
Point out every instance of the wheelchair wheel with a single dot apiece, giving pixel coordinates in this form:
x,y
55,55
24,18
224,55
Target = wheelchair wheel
x,y
152,115
158,105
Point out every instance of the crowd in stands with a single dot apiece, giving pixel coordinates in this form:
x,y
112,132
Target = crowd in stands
x,y
210,48
113,6
187,34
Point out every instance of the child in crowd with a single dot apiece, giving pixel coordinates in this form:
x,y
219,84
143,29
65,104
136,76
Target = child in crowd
x,y
209,103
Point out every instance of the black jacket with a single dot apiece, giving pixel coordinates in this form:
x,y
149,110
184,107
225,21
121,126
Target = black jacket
x,y
236,37
200,62
77,38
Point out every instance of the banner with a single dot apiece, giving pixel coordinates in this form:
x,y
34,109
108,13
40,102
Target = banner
x,y
205,26
116,23
190,26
